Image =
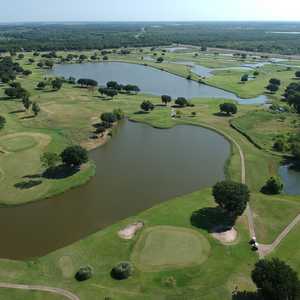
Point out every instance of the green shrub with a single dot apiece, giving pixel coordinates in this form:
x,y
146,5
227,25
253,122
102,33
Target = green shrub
x,y
122,271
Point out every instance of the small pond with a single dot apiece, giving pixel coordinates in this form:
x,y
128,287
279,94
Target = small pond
x,y
290,179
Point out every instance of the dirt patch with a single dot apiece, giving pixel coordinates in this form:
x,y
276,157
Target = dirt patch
x,y
129,231
226,237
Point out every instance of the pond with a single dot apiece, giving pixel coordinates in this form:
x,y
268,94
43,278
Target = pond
x,y
139,167
150,80
290,179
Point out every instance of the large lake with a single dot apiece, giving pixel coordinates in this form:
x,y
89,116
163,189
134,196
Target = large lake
x,y
139,167
150,80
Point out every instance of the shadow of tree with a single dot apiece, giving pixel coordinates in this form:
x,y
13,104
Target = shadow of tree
x,y
244,295
27,184
221,114
212,219
33,176
28,117
141,112
60,172
17,111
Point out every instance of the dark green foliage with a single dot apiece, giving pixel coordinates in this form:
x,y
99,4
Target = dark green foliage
x,y
147,105
74,156
228,108
273,186
9,69
181,102
244,78
49,160
35,108
275,81
108,117
16,92
26,102
2,122
27,72
166,99
41,85
279,145
84,273
119,114
275,280
131,88
272,87
122,271
297,74
85,82
160,59
49,64
57,83
232,197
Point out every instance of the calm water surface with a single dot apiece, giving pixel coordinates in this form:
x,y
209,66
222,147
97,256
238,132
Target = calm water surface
x,y
150,80
140,167
290,179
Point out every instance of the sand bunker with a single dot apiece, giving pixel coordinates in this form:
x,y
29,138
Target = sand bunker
x,y
129,232
226,237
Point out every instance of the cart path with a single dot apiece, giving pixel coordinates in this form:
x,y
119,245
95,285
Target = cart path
x,y
41,288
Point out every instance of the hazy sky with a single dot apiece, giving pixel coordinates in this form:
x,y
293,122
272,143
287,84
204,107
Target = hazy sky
x,y
148,10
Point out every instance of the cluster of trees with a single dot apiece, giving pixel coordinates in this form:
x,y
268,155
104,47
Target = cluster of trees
x,y
273,85
56,83
259,37
147,106
9,69
72,156
292,95
273,186
112,89
122,271
15,91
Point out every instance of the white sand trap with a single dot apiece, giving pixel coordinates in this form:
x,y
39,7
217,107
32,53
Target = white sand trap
x,y
129,231
226,237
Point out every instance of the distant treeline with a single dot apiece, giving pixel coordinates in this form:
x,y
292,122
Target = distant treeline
x,y
249,36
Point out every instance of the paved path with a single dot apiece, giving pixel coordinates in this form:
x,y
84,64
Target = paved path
x,y
41,288
266,249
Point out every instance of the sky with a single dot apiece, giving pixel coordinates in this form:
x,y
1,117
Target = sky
x,y
148,10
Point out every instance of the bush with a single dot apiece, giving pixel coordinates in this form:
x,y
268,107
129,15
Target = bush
x,y
279,145
119,114
74,156
275,81
84,273
181,102
147,105
122,271
2,122
108,117
228,108
273,186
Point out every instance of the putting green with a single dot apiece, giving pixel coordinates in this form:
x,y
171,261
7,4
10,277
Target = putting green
x,y
17,143
164,247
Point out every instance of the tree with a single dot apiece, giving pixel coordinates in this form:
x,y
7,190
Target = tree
x,y
27,72
273,186
279,145
275,81
131,88
111,93
160,59
86,82
113,85
74,156
276,280
84,273
297,74
166,99
49,160
232,197
2,122
56,84
147,106
244,78
272,87
16,92
21,56
108,117
122,271
228,108
181,102
35,108
119,114
49,64
41,85
26,102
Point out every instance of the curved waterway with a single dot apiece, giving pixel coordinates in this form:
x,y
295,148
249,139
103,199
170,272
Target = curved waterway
x,y
139,167
150,80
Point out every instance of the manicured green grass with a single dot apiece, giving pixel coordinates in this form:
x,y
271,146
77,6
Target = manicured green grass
x,y
225,267
169,247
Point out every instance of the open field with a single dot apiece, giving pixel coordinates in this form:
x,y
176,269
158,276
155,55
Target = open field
x,y
67,117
